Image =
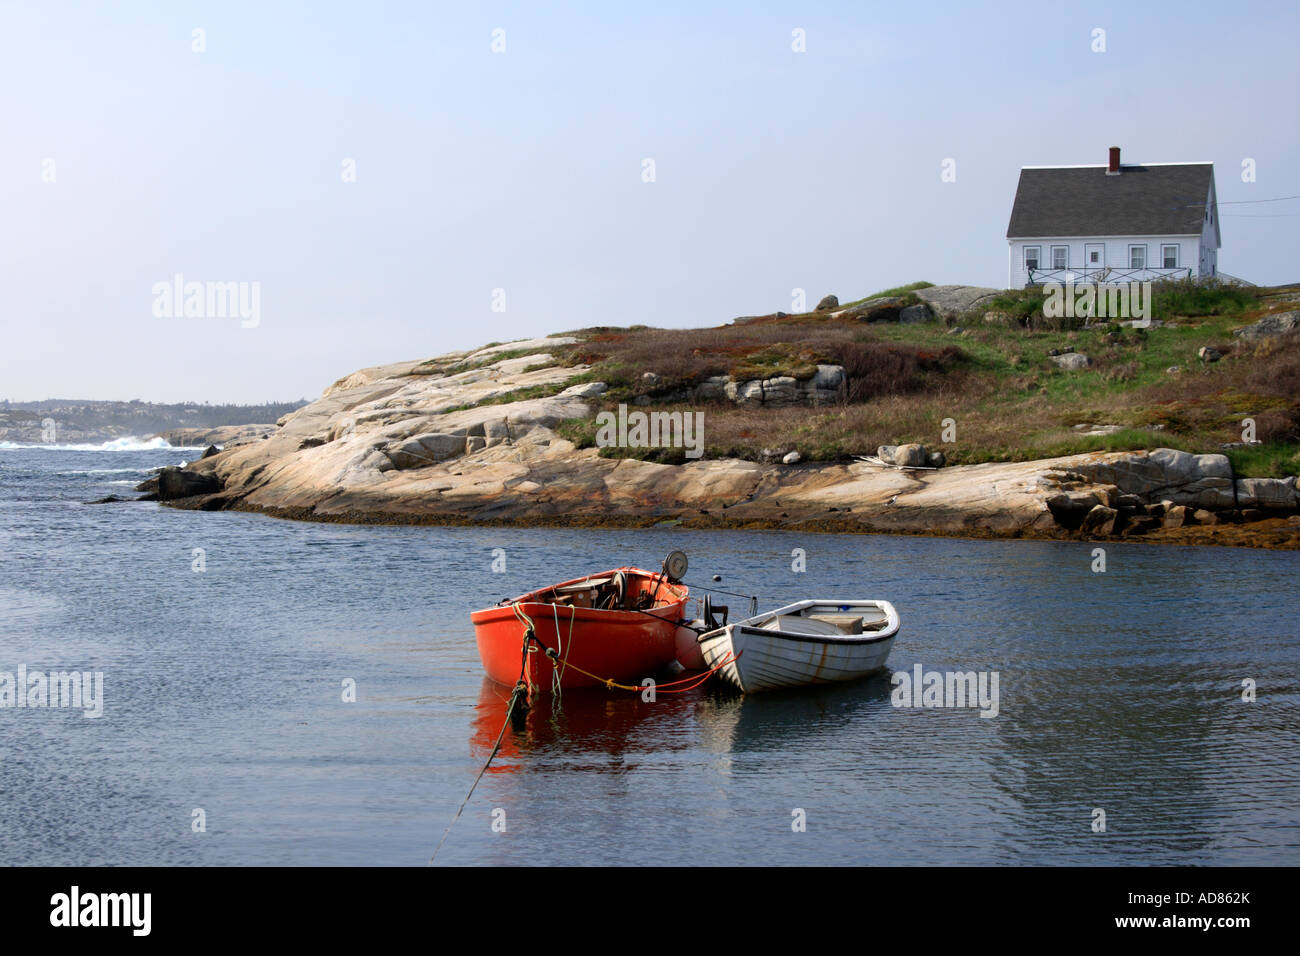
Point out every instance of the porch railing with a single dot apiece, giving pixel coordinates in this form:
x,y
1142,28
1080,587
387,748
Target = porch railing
x,y
1107,274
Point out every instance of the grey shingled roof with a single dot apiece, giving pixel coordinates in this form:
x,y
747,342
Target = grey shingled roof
x,y
1165,200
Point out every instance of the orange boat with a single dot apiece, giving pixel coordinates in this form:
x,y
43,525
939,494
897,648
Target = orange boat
x,y
619,625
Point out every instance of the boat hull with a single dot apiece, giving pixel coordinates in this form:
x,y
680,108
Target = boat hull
x,y
764,659
619,645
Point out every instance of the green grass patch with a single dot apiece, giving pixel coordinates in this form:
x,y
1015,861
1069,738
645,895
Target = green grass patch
x,y
902,290
1275,460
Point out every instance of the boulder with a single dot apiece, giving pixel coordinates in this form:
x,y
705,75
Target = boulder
x,y
583,389
827,303
1275,494
781,390
951,301
912,314
1141,524
1071,507
828,384
793,458
911,456
1071,361
1201,481
1207,354
1278,324
1201,516
176,483
1100,520
1108,495
745,393
885,308
1175,517
885,453
936,459
712,389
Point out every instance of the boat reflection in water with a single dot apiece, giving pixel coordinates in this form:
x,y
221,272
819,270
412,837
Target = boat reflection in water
x,y
599,725
589,720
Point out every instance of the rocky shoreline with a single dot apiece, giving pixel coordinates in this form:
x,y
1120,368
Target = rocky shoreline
x,y
461,440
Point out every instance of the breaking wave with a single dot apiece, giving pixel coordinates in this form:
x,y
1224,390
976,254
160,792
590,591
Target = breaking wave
x,y
127,443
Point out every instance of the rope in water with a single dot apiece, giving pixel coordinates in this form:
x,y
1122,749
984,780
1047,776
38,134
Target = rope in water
x,y
695,679
523,689
515,695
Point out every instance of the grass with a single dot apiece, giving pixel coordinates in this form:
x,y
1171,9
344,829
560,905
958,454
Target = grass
x,y
902,290
994,379
1273,460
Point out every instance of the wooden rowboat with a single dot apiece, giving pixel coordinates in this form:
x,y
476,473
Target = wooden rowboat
x,y
810,642
618,625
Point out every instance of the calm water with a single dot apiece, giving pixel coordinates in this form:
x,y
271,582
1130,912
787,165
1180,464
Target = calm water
x,y
223,691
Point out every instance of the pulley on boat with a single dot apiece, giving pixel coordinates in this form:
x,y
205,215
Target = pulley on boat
x,y
675,565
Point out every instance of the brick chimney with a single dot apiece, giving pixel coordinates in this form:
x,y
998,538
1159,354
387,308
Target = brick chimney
x,y
1113,168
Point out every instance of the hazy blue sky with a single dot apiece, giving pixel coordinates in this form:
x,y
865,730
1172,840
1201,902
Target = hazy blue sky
x,y
522,170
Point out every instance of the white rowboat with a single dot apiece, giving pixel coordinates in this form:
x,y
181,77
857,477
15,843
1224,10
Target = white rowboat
x,y
810,642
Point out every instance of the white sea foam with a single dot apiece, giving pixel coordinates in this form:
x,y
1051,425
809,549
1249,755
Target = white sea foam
x,y
128,443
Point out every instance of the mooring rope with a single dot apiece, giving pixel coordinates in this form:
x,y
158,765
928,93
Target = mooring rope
x,y
523,686
611,684
514,699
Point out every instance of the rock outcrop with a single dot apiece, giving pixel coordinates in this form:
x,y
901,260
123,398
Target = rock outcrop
x,y
405,443
950,302
1278,324
222,435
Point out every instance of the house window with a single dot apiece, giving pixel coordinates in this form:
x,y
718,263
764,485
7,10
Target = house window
x,y
1032,254
1169,256
1059,254
1094,258
1137,257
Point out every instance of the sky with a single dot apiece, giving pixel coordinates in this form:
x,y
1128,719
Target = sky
x,y
395,181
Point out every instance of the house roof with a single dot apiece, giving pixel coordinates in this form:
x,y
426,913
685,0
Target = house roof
x,y
1156,200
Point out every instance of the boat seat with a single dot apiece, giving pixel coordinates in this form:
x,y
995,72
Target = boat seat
x,y
847,623
794,624
588,585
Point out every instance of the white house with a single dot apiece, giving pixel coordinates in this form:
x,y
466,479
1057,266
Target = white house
x,y
1113,223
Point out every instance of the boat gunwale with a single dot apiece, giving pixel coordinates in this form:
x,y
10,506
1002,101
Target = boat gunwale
x,y
892,626
528,601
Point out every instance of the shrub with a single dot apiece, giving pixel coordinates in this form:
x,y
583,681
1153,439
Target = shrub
x,y
1199,297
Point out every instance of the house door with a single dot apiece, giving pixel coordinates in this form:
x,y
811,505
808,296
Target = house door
x,y
1094,260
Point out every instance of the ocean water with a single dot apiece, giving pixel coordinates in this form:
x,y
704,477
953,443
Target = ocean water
x,y
1120,693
